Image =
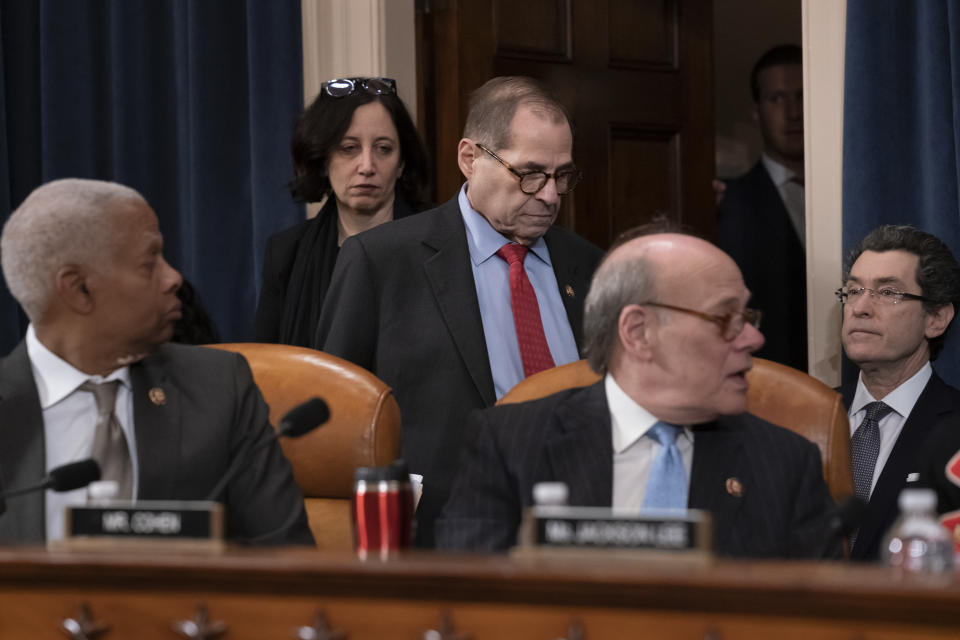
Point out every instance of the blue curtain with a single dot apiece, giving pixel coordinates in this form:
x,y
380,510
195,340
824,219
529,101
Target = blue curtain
x,y
191,103
901,135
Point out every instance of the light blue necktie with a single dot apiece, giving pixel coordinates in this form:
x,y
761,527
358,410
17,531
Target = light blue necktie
x,y
667,485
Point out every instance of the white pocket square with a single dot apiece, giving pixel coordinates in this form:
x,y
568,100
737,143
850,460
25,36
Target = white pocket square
x,y
913,477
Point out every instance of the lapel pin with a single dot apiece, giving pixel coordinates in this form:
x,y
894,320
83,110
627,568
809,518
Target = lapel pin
x,y
569,291
734,487
157,396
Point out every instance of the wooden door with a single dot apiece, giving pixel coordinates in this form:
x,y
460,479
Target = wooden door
x,y
636,75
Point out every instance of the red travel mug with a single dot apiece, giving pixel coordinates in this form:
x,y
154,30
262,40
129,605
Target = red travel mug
x,y
382,510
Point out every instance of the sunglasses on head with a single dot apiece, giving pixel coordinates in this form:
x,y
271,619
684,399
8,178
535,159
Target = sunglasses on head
x,y
342,87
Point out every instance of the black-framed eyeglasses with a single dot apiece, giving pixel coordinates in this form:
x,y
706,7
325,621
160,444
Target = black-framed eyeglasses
x,y
342,87
889,296
532,181
730,324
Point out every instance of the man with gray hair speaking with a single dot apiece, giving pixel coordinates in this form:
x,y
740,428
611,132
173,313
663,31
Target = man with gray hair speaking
x,y
666,321
94,376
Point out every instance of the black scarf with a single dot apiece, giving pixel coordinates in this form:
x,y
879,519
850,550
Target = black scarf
x,y
316,255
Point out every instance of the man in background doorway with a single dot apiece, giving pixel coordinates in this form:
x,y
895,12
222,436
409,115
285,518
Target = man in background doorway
x,y
760,218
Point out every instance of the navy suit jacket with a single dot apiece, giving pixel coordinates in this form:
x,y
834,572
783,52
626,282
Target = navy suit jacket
x,y
938,402
403,305
212,413
754,228
566,437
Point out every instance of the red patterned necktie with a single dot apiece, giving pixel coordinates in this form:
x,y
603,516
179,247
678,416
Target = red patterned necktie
x,y
534,350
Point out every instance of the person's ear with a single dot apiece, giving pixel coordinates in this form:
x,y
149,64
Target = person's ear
x,y
936,322
634,329
72,288
466,156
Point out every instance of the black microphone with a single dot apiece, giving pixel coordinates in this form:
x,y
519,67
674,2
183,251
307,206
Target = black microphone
x,y
304,418
845,517
68,477
300,420
843,520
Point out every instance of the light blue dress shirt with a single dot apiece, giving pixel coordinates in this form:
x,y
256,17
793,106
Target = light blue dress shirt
x,y
491,276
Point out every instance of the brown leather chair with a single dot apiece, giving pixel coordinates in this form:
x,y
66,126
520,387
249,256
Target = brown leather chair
x,y
363,430
779,394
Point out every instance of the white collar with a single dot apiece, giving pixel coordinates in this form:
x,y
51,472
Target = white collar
x,y
630,421
900,399
778,172
55,377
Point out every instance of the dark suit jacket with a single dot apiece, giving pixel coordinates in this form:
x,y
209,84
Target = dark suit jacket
x,y
403,304
566,437
280,264
754,228
938,402
213,413
942,444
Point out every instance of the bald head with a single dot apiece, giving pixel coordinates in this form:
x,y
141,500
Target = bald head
x,y
60,223
666,317
638,271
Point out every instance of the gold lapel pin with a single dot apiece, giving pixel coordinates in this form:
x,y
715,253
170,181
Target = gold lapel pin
x,y
734,487
157,396
569,291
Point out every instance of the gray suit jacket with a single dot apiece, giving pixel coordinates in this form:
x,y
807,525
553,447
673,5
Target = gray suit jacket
x,y
566,437
213,413
403,305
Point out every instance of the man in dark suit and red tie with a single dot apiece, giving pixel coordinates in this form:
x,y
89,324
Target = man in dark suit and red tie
x,y
454,306
901,289
667,322
760,219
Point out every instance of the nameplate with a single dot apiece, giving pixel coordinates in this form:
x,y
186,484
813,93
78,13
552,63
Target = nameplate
x,y
181,523
602,528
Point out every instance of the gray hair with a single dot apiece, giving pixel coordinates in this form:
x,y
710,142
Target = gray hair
x,y
617,282
937,271
60,223
493,106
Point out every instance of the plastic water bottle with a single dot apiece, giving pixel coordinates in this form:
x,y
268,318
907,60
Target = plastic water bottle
x,y
917,542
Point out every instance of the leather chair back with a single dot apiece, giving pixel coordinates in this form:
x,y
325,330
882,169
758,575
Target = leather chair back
x,y
363,429
778,394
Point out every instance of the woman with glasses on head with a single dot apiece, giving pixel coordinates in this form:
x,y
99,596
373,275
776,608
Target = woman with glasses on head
x,y
356,146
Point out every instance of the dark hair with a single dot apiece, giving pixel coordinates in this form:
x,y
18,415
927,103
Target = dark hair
x,y
324,123
195,326
780,55
494,104
937,271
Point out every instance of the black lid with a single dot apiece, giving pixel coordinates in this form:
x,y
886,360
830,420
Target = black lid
x,y
396,471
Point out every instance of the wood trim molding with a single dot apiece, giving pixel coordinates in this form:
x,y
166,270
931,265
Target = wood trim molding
x,y
824,36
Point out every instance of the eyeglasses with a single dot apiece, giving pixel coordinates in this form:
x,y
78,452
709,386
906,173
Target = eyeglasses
x,y
730,325
342,87
889,296
532,181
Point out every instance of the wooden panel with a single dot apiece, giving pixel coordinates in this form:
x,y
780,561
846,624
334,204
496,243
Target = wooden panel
x,y
268,593
643,176
633,64
643,33
538,29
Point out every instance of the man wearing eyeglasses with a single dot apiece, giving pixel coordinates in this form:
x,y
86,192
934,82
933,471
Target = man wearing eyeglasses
x,y
666,321
902,288
454,306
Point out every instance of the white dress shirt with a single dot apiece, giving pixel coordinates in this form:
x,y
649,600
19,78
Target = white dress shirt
x,y
70,419
791,192
633,454
901,400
